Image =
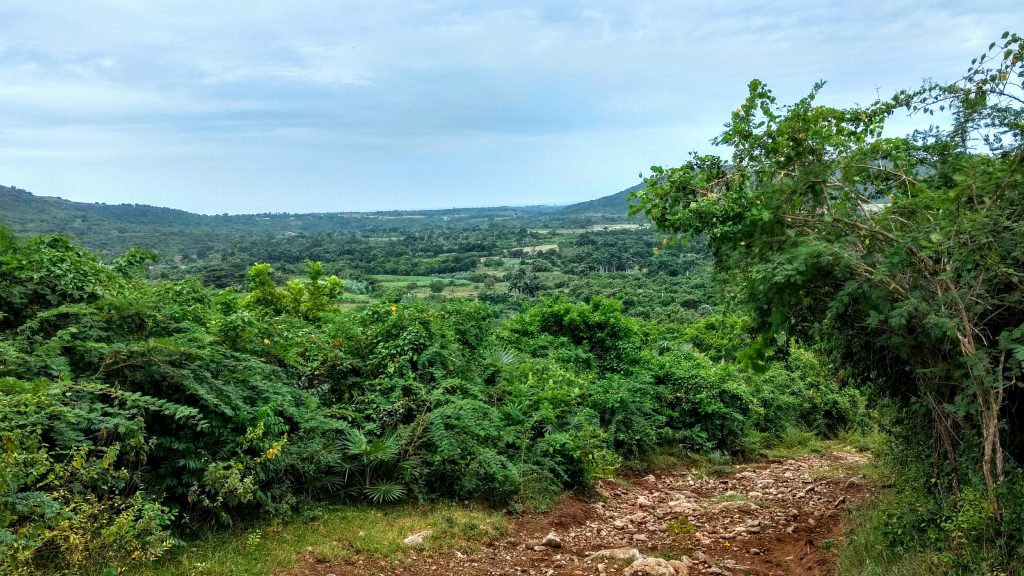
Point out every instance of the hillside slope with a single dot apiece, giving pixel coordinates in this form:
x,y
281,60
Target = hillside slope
x,y
115,228
612,205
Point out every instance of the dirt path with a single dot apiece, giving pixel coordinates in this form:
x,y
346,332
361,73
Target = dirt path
x,y
763,519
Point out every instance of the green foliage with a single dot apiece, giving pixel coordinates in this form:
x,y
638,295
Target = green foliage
x,y
709,405
132,409
801,392
900,256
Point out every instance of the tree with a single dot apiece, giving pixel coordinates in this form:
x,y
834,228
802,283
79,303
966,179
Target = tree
x,y
524,282
903,254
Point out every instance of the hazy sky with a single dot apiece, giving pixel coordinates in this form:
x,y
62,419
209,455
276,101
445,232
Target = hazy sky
x,y
331,105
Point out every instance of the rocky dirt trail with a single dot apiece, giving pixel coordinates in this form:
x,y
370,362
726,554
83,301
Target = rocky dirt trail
x,y
783,517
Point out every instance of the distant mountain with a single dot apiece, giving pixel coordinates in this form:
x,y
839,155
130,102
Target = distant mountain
x,y
614,205
117,227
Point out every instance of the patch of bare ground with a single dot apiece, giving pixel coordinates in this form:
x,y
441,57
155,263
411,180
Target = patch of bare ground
x,y
770,518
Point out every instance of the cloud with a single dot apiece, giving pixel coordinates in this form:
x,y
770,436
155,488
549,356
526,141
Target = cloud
x,y
217,106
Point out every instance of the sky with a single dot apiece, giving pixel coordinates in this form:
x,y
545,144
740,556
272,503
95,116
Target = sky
x,y
318,106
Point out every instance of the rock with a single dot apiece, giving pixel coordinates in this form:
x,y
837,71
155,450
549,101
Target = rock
x,y
640,537
680,568
417,538
539,548
551,541
616,554
649,567
637,518
683,507
754,552
719,571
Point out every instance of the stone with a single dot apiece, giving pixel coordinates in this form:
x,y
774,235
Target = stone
x,y
551,541
681,568
649,567
616,554
417,538
637,518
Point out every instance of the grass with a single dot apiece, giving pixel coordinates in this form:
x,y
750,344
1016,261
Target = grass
x,y
868,551
793,444
355,298
730,497
331,535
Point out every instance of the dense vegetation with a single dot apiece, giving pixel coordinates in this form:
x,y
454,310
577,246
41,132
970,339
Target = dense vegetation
x,y
136,411
903,258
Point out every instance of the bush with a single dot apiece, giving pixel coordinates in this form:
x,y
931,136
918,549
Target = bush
x,y
800,394
628,412
466,454
709,404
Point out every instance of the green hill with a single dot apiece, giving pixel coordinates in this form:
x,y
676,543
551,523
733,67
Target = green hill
x,y
613,205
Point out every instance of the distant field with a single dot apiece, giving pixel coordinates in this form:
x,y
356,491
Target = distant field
x,y
391,279
610,227
355,298
539,248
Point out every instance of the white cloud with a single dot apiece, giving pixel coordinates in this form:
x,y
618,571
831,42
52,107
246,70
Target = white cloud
x,y
185,102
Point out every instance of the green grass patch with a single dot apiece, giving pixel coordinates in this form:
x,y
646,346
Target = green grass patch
x,y
331,535
868,548
355,298
730,497
793,444
682,530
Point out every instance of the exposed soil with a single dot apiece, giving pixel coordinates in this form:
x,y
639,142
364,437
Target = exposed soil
x,y
770,518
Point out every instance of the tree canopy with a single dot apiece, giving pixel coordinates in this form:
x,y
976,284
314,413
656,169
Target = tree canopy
x,y
901,254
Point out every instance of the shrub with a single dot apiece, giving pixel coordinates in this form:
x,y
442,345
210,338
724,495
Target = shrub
x,y
466,454
709,403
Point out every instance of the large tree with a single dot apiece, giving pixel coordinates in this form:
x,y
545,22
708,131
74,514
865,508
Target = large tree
x,y
905,254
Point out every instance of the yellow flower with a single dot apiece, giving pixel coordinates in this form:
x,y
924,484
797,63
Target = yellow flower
x,y
394,309
266,340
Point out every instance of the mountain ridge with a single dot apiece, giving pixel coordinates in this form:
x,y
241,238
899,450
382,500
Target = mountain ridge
x,y
117,227
11,193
